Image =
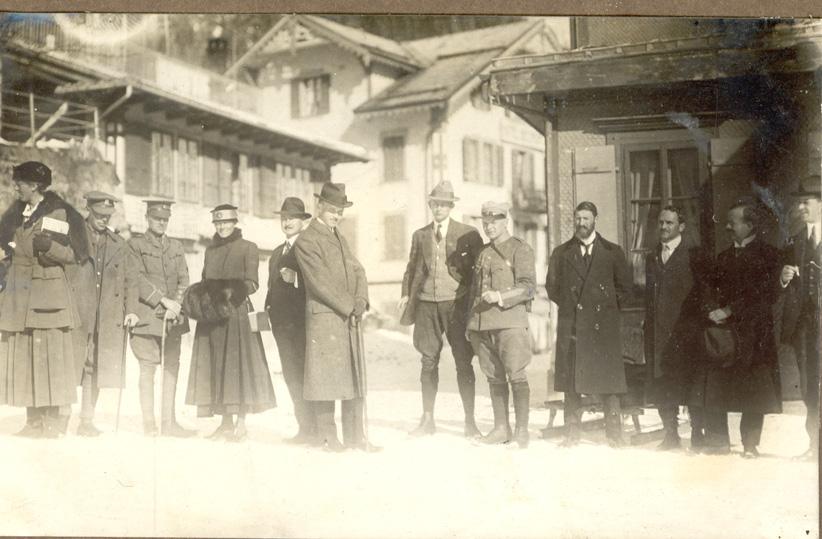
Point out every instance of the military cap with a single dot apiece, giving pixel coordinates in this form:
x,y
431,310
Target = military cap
x,y
100,203
224,212
32,171
158,208
809,187
495,210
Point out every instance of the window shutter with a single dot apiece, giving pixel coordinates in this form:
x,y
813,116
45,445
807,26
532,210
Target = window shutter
x,y
295,98
469,160
325,91
499,169
211,175
595,181
138,164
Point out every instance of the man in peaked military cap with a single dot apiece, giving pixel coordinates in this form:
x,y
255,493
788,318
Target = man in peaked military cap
x,y
162,277
103,286
503,287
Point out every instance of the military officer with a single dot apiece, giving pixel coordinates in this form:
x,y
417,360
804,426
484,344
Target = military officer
x,y
162,277
103,285
501,293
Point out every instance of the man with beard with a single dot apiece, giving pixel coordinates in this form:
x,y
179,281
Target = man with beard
x,y
800,280
589,280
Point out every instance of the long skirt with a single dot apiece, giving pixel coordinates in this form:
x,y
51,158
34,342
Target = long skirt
x,y
38,368
229,372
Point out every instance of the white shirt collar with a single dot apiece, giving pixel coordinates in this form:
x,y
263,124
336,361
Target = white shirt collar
x,y
290,241
29,209
672,244
588,243
745,242
443,226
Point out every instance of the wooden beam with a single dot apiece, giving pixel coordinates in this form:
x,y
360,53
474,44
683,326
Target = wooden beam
x,y
48,123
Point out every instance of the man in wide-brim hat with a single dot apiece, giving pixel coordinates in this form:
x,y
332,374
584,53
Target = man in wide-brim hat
x,y
434,299
285,304
800,280
336,299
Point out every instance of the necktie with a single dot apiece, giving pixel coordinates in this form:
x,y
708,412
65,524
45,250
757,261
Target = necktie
x,y
286,248
587,256
438,235
812,236
666,253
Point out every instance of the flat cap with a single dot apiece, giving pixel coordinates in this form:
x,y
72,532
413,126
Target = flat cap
x,y
495,209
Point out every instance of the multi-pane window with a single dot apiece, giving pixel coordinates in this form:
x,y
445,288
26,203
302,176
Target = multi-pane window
x,y
394,237
162,165
482,162
393,155
188,170
266,200
309,96
522,169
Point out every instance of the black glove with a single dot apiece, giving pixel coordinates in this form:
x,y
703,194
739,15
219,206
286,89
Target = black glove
x,y
360,306
42,242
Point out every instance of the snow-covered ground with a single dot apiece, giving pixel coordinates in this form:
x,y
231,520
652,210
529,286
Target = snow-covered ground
x,y
439,486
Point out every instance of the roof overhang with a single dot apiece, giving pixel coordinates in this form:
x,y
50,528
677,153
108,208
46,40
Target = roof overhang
x,y
214,116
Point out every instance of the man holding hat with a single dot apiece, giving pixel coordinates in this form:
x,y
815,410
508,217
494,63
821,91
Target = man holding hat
x,y
162,277
285,304
800,280
504,284
435,299
336,299
103,286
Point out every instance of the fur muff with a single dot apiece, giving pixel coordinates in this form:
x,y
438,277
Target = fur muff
x,y
208,300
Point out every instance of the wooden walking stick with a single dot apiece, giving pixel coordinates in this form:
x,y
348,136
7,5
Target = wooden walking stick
x,y
126,332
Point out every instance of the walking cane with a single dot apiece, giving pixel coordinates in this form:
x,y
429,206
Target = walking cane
x,y
126,333
362,379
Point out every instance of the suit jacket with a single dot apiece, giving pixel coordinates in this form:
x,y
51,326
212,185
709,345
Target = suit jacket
x,y
673,319
462,244
589,300
333,279
284,302
793,300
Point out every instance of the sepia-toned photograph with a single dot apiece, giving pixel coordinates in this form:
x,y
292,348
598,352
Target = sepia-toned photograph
x,y
364,275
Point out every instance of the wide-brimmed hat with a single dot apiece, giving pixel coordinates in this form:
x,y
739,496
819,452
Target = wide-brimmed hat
x,y
334,193
32,171
293,207
225,212
443,192
100,203
809,187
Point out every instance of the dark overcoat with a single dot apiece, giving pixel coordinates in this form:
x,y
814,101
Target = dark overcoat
x,y
804,288
588,301
103,311
673,320
334,279
747,283
462,245
284,302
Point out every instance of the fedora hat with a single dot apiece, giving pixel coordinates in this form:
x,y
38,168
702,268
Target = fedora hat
x,y
809,186
443,192
334,193
293,207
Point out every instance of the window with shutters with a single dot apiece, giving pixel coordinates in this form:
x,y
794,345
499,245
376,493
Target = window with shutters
x,y
162,165
211,175
267,199
309,96
394,237
187,178
482,162
393,157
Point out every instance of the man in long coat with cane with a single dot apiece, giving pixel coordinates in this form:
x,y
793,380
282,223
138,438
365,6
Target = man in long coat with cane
x,y
336,299
103,287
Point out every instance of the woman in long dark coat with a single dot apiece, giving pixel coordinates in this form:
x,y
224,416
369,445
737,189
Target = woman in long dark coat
x,y
229,373
41,235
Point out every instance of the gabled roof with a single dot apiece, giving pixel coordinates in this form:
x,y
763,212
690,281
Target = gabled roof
x,y
458,59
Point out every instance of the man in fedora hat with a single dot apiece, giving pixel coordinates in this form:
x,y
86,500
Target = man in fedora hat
x,y
336,299
162,277
103,287
434,298
800,280
285,304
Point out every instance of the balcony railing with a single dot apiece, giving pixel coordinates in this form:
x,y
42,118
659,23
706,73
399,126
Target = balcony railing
x,y
129,59
27,117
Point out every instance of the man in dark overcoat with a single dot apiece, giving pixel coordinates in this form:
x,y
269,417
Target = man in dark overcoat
x,y
744,289
589,279
103,286
434,298
800,282
336,299
162,278
673,271
285,304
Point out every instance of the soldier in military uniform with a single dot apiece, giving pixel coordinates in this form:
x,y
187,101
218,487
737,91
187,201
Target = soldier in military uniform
x,y
501,293
103,285
162,277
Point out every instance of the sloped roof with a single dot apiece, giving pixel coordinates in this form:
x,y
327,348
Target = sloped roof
x,y
459,57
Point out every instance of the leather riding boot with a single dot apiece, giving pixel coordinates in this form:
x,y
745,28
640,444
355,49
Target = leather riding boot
x,y
88,403
428,381
146,385
466,385
168,414
326,428
522,403
501,433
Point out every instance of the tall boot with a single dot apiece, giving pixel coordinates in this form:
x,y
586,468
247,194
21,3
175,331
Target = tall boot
x,y
428,381
168,414
466,383
34,423
522,404
501,433
147,398
88,403
326,428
